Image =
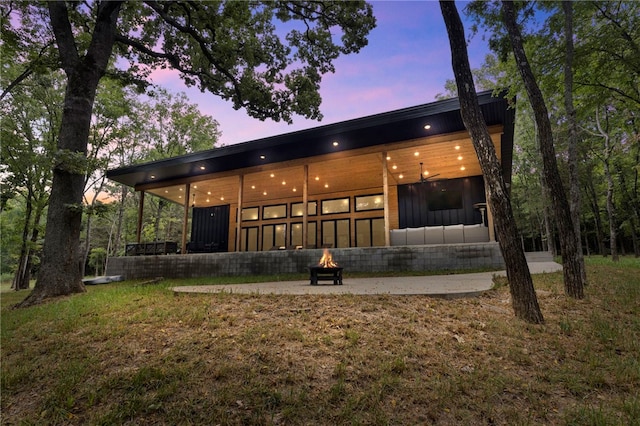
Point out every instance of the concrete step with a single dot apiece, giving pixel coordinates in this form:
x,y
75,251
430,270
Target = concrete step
x,y
539,256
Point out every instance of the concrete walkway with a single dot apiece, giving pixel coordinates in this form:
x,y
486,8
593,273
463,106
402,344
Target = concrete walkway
x,y
449,286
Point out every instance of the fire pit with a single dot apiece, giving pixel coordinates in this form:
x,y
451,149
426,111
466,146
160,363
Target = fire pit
x,y
326,270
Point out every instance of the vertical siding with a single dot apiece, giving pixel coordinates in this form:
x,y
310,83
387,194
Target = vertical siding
x,y
416,203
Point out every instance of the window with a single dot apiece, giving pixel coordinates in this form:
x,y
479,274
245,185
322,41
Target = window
x,y
297,209
250,213
335,233
369,202
273,236
249,239
296,234
340,205
274,212
370,232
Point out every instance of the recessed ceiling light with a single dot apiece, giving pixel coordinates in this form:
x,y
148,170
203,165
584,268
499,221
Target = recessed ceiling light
x,y
152,176
294,189
416,153
427,126
166,192
401,176
394,167
253,187
264,193
457,147
272,175
262,157
202,167
426,173
335,143
195,187
388,157
317,177
284,182
207,200
326,185
180,189
462,168
221,198
459,157
179,196
208,192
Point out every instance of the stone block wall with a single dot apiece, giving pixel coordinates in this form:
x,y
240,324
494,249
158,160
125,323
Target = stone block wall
x,y
365,259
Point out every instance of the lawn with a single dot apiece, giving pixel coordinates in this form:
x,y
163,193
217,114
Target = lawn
x,y
133,353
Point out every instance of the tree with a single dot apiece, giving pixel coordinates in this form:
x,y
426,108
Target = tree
x,y
97,260
28,127
111,105
573,267
572,138
523,295
609,41
230,49
176,128
599,38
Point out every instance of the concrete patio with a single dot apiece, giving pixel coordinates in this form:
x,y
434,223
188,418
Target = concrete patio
x,y
444,286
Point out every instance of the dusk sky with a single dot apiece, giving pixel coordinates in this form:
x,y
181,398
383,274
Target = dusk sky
x,y
406,63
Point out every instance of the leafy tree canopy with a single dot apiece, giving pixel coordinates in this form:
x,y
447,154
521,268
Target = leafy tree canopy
x,y
267,57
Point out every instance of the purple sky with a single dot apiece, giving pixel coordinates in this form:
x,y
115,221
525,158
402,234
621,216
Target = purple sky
x,y
406,63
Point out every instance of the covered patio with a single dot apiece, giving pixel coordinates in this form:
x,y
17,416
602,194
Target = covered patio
x,y
344,185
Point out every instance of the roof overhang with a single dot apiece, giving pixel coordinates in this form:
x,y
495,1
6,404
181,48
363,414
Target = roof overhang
x,y
396,130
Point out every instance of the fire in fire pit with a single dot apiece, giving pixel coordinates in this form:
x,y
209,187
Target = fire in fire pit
x,y
326,270
326,261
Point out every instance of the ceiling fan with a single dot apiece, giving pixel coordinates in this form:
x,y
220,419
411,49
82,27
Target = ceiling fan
x,y
424,178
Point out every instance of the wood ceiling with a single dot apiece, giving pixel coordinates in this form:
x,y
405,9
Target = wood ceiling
x,y
443,157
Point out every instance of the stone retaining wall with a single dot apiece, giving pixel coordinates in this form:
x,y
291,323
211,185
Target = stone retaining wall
x,y
365,259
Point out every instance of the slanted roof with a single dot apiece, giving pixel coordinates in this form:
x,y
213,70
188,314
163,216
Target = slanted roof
x,y
371,131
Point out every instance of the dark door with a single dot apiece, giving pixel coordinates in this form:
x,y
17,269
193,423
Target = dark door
x,y
209,229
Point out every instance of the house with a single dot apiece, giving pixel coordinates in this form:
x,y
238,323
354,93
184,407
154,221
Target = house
x,y
404,177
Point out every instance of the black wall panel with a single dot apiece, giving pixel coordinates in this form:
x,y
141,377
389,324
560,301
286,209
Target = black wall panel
x,y
440,202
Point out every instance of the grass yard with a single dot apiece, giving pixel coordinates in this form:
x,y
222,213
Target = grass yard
x,y
132,353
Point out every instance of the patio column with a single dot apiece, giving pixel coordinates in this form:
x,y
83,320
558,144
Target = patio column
x,y
140,212
385,192
185,218
239,215
305,208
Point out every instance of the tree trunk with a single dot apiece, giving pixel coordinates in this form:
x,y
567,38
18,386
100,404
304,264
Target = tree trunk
x,y
586,240
86,247
548,223
523,295
118,232
611,209
634,235
35,233
572,266
22,276
595,209
630,206
572,149
59,273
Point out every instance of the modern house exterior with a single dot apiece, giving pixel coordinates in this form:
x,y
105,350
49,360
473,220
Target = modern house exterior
x,y
408,177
